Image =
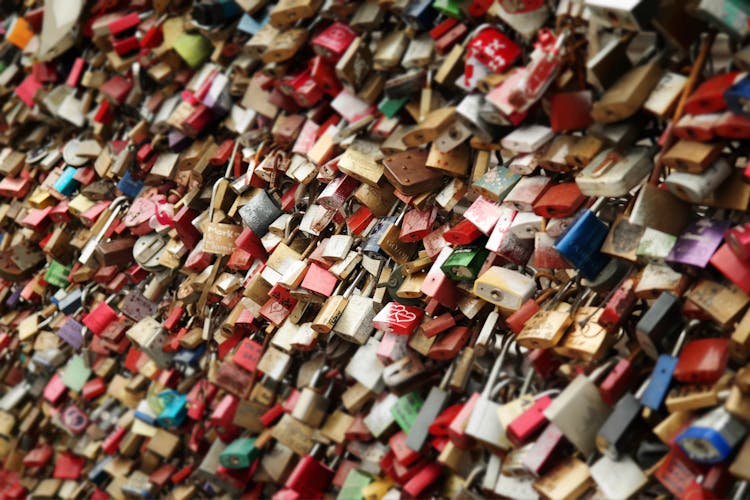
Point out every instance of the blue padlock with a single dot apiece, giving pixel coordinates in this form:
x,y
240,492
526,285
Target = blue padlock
x,y
66,184
189,357
144,412
175,409
737,97
580,244
420,14
371,247
129,186
251,25
98,474
711,438
661,378
71,301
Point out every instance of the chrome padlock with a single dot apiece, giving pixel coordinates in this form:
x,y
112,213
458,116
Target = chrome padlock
x,y
259,213
484,425
711,438
312,404
579,411
355,323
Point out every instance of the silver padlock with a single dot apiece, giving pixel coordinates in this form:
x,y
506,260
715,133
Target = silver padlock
x,y
355,323
579,411
259,213
484,424
697,187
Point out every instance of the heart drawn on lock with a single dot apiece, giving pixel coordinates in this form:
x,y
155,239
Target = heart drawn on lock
x,y
400,314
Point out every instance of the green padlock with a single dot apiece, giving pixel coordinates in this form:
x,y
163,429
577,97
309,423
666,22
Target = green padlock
x,y
57,274
391,107
450,8
465,263
353,485
406,409
193,48
239,454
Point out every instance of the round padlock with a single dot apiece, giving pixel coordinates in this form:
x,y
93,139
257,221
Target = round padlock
x,y
148,250
70,154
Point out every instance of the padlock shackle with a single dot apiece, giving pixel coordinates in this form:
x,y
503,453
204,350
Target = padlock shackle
x,y
355,282
689,327
527,381
487,392
448,374
601,370
556,298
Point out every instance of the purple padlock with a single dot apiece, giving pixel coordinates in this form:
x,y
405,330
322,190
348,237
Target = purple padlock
x,y
697,244
71,332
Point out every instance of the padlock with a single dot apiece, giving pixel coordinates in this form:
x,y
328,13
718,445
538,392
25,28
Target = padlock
x,y
613,174
628,94
618,435
310,477
696,187
356,322
464,263
560,200
545,327
618,478
712,437
312,404
580,397
697,244
661,377
503,287
483,425
581,241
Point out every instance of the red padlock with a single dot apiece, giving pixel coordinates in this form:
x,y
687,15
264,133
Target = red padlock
x,y
702,361
619,306
732,267
709,96
99,318
426,477
438,324
619,380
38,457
457,427
68,466
187,233
359,220
544,362
398,318
325,76
248,354
310,477
417,224
449,343
402,453
732,126
111,443
560,200
493,49
517,319
738,239
549,447
462,233
332,42
94,388
524,428
199,398
444,27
